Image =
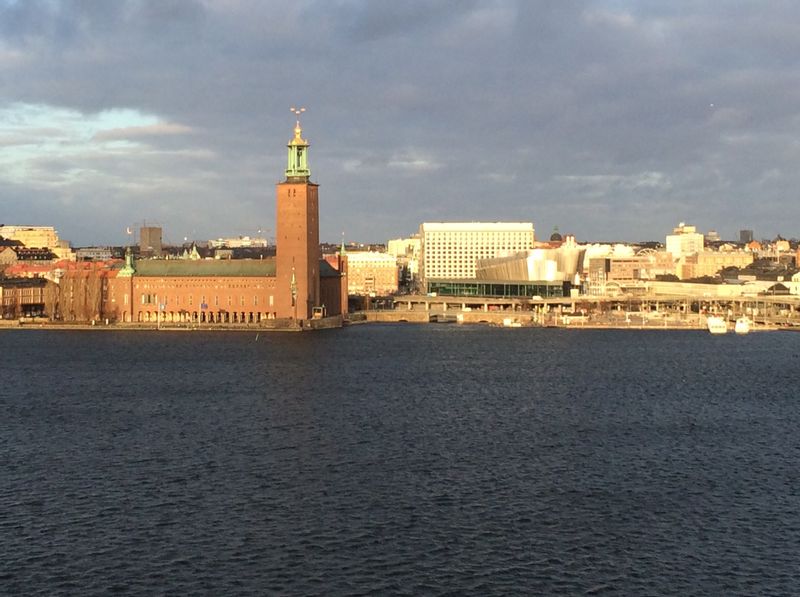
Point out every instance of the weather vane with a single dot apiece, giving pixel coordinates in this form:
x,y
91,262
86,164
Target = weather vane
x,y
298,140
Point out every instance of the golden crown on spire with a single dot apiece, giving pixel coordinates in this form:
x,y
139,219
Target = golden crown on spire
x,y
298,130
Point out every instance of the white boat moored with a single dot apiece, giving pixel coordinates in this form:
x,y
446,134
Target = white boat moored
x,y
717,324
742,326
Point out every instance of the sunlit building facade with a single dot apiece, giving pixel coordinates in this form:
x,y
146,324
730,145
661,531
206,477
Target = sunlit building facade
x,y
38,237
451,250
371,273
684,240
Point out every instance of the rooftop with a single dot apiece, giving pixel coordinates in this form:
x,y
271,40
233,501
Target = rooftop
x,y
205,267
477,226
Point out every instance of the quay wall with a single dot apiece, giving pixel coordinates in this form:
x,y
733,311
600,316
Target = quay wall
x,y
271,325
524,318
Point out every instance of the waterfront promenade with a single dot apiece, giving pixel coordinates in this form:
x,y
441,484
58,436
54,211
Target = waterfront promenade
x,y
625,312
620,312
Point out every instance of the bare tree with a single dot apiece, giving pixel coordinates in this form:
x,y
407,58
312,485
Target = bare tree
x,y
52,300
81,296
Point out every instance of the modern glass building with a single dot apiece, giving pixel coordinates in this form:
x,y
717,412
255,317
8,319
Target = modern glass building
x,y
498,289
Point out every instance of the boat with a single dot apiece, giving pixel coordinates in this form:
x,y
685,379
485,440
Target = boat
x,y
716,324
742,326
509,322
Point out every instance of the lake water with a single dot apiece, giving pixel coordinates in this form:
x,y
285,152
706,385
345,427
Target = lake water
x,y
409,460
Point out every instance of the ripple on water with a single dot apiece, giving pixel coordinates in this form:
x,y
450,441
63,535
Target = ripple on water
x,y
399,460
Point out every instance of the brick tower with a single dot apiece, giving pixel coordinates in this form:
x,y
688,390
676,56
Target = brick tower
x,y
297,234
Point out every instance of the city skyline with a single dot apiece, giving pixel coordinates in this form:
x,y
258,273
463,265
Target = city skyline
x,y
613,120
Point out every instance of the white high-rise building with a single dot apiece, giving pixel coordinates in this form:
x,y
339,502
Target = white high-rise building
x,y
684,240
450,250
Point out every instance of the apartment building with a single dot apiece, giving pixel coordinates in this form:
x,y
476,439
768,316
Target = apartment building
x,y
371,273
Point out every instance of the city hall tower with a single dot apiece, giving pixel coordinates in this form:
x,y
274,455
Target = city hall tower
x,y
297,234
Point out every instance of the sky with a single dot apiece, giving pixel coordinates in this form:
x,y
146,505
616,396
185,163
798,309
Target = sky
x,y
610,119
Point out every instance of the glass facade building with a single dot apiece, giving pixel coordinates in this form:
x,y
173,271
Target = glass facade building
x,y
498,289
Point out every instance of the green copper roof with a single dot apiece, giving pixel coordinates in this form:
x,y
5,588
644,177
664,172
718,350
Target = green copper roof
x,y
128,270
297,160
205,267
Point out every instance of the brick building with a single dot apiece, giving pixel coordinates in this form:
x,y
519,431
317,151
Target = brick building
x,y
188,291
298,255
296,284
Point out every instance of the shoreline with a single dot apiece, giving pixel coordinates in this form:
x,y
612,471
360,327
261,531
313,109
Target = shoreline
x,y
294,327
127,327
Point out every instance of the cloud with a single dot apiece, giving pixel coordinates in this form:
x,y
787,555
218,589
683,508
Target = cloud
x,y
370,21
582,112
607,182
413,163
160,129
608,18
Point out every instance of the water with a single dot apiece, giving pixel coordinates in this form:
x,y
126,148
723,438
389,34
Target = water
x,y
410,460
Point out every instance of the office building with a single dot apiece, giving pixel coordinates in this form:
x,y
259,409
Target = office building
x,y
150,241
450,250
684,240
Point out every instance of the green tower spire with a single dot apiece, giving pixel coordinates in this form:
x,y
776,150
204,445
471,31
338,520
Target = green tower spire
x,y
128,269
297,162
